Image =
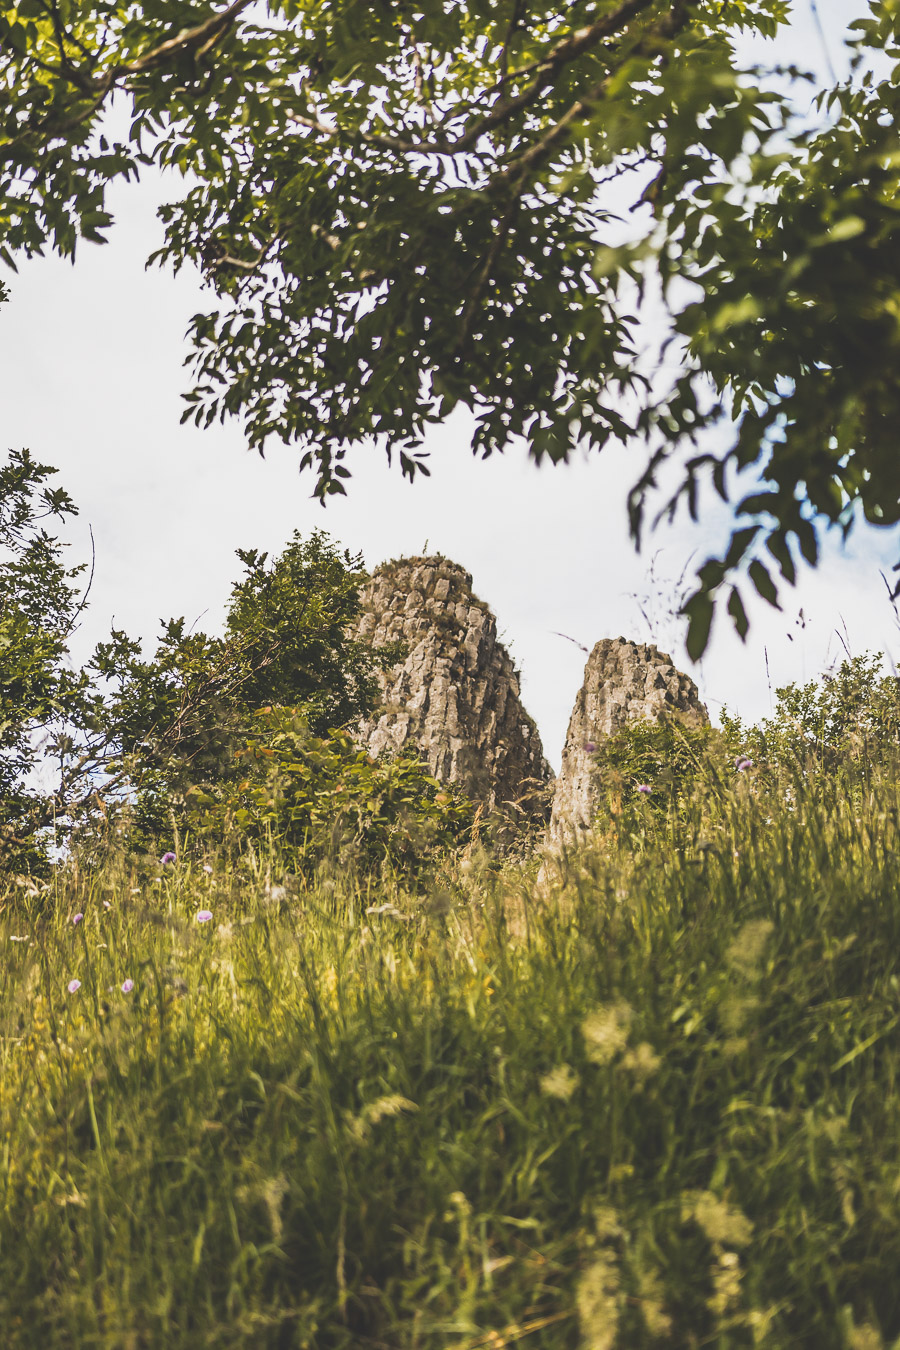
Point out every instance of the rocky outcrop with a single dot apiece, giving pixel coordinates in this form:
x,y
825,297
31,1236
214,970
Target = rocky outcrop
x,y
623,682
453,694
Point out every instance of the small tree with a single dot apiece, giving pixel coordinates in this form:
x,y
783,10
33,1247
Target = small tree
x,y
174,723
293,620
39,695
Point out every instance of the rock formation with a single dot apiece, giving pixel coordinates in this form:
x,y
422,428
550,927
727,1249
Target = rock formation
x,y
623,682
454,693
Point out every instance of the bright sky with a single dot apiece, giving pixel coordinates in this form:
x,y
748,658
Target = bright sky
x,y
90,378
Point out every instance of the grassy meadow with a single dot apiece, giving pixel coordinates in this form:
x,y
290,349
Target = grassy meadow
x,y
653,1107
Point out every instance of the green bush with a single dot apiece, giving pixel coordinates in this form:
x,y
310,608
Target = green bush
x,y
647,772
174,722
850,717
317,799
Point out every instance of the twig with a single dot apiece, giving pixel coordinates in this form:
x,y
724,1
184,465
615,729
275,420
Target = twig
x,y
571,639
203,36
816,18
84,598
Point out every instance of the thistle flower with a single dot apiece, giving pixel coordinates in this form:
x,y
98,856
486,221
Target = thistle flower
x,y
742,763
167,858
76,918
127,986
645,788
73,986
204,916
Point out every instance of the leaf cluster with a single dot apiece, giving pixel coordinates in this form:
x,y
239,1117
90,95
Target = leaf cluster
x,y
796,322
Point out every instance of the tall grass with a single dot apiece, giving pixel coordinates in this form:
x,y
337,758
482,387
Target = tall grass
x,y
657,1108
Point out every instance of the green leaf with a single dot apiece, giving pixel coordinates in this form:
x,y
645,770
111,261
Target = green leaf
x,y
848,228
699,609
763,582
738,613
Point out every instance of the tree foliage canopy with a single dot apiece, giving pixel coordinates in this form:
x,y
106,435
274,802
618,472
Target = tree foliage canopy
x,y
38,608
404,208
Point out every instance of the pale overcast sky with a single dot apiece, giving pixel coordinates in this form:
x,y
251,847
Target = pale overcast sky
x,y
90,378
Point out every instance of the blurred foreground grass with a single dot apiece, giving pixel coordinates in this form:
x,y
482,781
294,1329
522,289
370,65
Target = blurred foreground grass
x,y
657,1108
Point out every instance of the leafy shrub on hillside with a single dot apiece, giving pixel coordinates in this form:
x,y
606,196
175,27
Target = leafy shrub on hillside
x,y
150,750
315,798
647,771
852,715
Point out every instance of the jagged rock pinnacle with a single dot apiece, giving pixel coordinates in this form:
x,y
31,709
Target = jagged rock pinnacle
x,y
454,694
623,682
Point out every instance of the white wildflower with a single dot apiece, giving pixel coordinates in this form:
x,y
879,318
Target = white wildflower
x,y
606,1031
746,951
721,1222
865,1337
560,1082
642,1061
726,1279
597,1301
650,1291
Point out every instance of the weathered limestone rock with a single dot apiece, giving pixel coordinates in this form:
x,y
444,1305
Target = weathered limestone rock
x,y
623,682
454,694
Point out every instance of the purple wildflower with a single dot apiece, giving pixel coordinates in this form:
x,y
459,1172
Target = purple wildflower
x,y
644,787
74,986
204,916
167,858
76,918
127,986
743,764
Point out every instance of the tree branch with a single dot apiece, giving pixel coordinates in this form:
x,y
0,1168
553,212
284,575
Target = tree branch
x,y
565,51
202,38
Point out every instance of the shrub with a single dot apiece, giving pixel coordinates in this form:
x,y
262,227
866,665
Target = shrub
x,y
648,771
175,723
851,716
318,798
